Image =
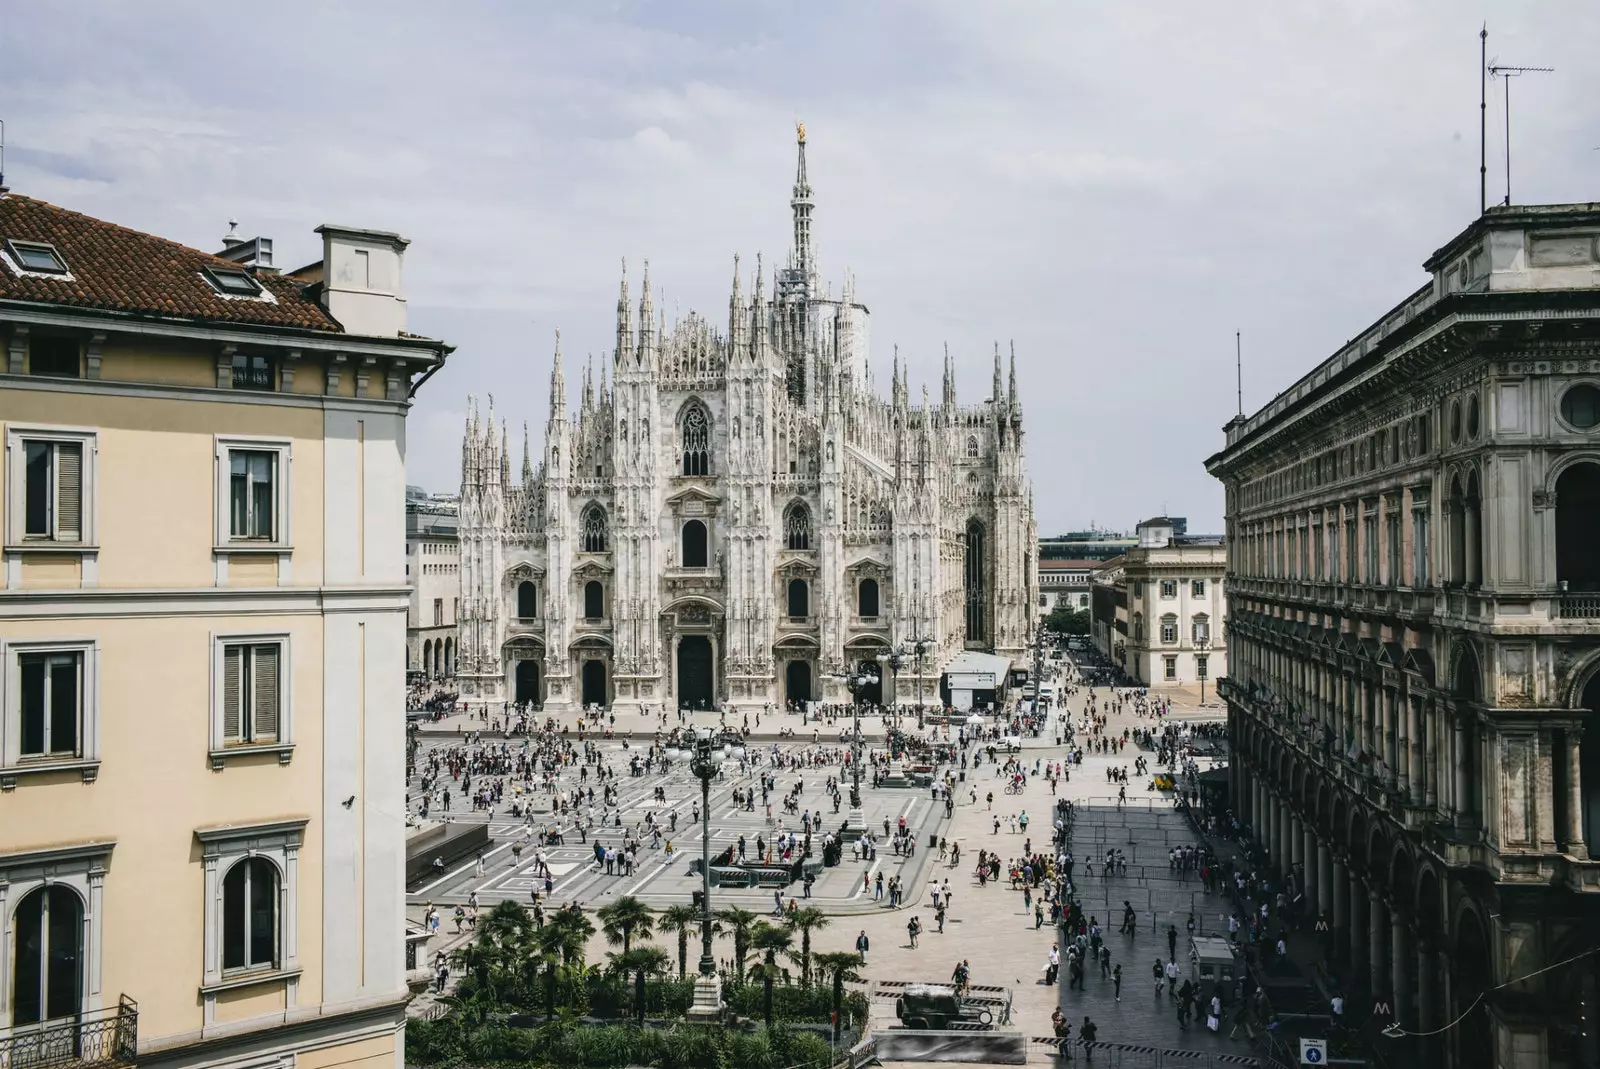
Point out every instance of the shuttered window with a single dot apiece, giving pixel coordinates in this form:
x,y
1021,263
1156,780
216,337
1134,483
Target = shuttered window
x,y
251,693
53,495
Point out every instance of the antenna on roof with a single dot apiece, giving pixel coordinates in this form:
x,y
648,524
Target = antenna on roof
x,y
1496,70
1238,370
2,155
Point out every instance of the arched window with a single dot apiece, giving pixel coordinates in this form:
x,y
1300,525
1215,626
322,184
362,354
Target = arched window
x,y
1138,627
976,585
797,526
594,529
594,599
867,598
1200,629
972,446
427,657
694,544
1169,629
799,599
49,956
449,657
1577,519
250,915
527,600
696,441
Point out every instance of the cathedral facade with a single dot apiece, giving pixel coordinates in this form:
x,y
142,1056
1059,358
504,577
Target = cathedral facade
x,y
734,517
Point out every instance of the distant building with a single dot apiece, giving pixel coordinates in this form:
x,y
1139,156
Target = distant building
x,y
433,568
1064,584
1158,610
1085,545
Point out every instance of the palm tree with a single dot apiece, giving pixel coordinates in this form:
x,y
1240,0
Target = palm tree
x,y
805,921
571,931
683,920
844,965
551,946
771,939
739,922
641,962
625,918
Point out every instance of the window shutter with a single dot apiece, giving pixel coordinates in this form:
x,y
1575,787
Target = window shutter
x,y
264,692
232,684
69,491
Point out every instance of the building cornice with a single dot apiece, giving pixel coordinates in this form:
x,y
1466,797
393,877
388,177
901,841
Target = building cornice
x,y
30,604
168,392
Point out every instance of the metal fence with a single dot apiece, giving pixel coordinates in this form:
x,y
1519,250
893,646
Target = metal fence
x,y
105,1038
1136,1056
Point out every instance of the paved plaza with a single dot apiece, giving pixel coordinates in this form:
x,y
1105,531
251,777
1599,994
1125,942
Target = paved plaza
x,y
987,926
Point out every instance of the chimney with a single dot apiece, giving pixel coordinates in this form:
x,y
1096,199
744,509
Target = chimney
x,y
363,285
254,252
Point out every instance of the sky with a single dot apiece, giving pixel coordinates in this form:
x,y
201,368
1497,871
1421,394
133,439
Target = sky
x,y
1115,189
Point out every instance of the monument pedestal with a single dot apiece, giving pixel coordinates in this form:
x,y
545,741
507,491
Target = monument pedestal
x,y
855,824
706,1008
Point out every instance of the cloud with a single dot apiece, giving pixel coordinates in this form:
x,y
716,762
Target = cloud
x,y
1118,188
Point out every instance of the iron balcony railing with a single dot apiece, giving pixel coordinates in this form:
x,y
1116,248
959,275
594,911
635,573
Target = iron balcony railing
x,y
1577,605
105,1038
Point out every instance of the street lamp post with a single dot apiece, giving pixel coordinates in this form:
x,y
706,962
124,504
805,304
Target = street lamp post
x,y
855,822
1202,643
705,763
922,646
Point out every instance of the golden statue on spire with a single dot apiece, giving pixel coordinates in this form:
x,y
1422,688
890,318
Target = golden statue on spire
x,y
800,131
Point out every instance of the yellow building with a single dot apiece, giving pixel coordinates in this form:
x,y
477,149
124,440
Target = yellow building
x,y
202,647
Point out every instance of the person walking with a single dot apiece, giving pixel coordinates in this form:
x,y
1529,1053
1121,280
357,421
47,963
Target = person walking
x,y
1116,981
862,945
914,928
1086,1035
1159,972
1172,941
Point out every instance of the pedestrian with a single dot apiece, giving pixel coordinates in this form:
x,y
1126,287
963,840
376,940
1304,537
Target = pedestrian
x,y
913,927
862,945
1160,974
1116,981
1086,1035
1172,977
1172,941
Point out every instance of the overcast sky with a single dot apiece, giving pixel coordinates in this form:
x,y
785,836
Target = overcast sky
x,y
1115,187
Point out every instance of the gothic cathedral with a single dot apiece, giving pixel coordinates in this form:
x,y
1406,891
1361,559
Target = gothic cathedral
x,y
738,519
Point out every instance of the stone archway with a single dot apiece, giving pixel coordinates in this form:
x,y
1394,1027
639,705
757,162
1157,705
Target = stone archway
x,y
1472,975
527,683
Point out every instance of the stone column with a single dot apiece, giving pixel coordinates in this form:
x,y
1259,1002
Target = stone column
x,y
1324,878
1340,883
1378,932
1458,800
1358,925
1430,755
1386,732
1308,849
1401,954
1573,833
1425,998
1415,785
1297,853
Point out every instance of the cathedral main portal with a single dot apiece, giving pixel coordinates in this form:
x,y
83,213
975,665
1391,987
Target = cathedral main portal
x,y
696,673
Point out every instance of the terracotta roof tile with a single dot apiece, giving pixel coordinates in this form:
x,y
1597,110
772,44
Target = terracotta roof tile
x,y
122,270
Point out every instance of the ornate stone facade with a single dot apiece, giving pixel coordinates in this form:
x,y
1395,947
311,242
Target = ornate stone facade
x,y
737,517
1414,643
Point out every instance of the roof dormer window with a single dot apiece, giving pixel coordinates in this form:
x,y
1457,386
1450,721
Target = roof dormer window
x,y
37,256
232,282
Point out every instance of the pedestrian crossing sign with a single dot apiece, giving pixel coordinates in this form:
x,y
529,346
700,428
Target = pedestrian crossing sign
x,y
1313,1052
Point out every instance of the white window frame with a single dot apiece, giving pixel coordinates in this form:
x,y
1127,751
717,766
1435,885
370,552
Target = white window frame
x,y
1169,669
278,841
1166,585
1197,587
87,760
220,749
17,541
282,522
79,866
1169,630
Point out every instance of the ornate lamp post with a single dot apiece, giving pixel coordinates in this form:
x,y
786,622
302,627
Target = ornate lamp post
x,y
922,646
706,762
1202,643
855,822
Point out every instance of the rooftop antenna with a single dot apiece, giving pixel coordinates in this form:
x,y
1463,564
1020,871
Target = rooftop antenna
x,y
1238,369
2,155
1496,70
1483,119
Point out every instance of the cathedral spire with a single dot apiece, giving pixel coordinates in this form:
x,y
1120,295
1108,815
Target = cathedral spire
x,y
558,381
648,338
505,456
527,456
588,384
738,318
624,320
998,396
1013,390
800,203
949,379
